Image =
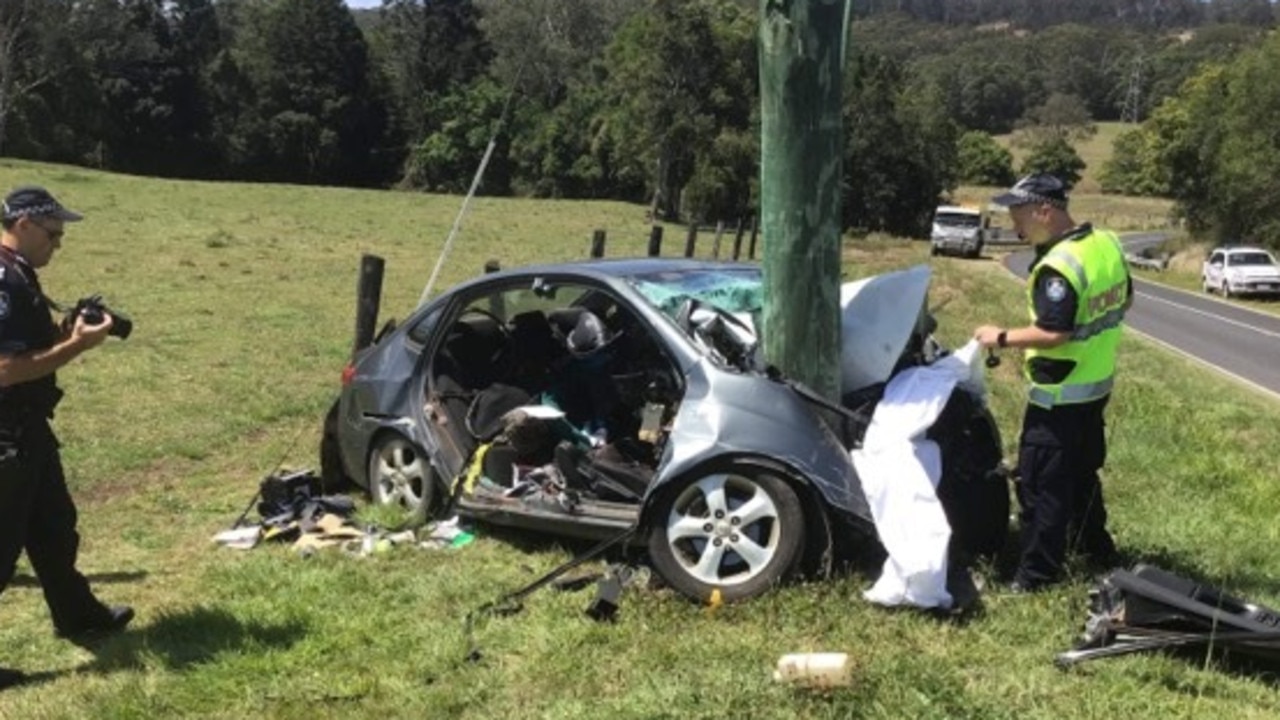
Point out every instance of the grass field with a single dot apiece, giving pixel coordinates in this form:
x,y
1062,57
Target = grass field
x,y
1093,150
243,301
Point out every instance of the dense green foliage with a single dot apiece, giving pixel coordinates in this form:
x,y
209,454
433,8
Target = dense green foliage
x,y
651,101
1213,148
982,161
1056,156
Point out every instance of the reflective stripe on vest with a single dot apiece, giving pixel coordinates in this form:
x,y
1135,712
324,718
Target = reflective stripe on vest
x,y
1069,394
1081,280
1113,318
1094,265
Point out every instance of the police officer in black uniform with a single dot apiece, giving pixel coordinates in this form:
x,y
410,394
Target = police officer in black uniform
x,y
1079,291
36,510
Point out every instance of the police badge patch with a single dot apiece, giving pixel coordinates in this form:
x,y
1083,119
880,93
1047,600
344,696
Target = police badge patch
x,y
4,305
1056,289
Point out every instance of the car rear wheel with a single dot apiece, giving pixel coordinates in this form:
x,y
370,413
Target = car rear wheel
x,y
740,530
401,477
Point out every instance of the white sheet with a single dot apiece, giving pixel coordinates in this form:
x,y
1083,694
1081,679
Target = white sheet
x,y
900,468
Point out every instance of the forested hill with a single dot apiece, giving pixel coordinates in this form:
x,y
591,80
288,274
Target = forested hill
x,y
650,101
1039,14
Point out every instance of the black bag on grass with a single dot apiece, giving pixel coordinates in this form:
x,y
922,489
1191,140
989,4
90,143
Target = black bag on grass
x,y
282,494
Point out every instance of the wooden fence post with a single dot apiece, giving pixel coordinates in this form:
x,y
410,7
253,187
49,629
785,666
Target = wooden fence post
x,y
691,240
715,245
655,241
368,298
755,229
597,244
737,239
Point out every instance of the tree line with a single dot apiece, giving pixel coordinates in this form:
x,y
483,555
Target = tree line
x,y
651,101
1214,148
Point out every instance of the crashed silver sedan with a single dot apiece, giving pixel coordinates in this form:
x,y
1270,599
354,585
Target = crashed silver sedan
x,y
589,398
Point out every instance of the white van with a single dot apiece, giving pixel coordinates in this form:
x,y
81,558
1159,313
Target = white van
x,y
959,230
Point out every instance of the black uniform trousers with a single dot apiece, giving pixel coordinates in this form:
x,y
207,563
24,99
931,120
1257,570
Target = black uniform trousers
x,y
1059,495
38,515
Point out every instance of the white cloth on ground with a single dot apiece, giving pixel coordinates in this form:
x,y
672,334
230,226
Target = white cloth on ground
x,y
900,468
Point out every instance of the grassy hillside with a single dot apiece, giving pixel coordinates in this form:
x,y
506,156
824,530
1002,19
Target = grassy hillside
x,y
243,299
1094,151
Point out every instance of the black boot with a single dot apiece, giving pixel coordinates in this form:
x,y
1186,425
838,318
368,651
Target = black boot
x,y
113,621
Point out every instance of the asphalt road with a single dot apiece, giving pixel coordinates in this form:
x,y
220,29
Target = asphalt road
x,y
1237,341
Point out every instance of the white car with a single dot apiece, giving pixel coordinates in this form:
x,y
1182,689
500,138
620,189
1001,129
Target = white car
x,y
1241,271
958,230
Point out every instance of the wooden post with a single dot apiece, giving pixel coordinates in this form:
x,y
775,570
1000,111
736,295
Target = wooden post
x,y
715,244
691,240
497,302
368,298
655,241
751,249
801,46
597,244
737,240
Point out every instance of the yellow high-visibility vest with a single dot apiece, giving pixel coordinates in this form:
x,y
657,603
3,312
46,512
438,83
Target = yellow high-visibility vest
x,y
1095,267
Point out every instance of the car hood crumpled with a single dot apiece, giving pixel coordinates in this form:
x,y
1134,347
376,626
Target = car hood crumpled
x,y
877,317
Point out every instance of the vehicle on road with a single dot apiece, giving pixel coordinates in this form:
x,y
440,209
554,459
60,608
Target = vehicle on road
x,y
960,231
585,399
1241,270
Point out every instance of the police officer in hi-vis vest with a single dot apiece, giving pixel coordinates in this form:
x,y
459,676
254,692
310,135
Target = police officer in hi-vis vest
x,y
1077,294
36,511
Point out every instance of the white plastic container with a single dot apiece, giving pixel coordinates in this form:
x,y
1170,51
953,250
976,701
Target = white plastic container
x,y
819,670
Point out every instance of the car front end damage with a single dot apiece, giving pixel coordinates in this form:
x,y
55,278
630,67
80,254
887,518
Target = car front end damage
x,y
748,478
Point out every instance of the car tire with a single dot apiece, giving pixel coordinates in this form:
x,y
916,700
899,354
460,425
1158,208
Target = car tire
x,y
933,251
739,529
402,477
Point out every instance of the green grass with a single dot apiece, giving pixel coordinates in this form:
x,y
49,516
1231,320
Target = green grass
x,y
243,300
1088,202
1093,150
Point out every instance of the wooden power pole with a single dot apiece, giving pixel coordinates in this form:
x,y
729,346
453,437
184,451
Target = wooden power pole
x,y
802,146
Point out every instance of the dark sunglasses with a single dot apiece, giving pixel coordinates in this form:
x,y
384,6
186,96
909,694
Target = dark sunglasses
x,y
54,235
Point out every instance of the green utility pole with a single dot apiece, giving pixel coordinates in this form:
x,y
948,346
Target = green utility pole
x,y
802,146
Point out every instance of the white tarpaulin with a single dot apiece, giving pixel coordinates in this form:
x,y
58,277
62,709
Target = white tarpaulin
x,y
900,468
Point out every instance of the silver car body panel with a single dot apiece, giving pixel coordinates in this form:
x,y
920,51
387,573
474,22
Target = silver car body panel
x,y
877,316
724,412
730,415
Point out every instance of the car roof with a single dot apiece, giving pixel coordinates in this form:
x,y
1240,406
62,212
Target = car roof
x,y
958,209
626,267
605,270
1231,249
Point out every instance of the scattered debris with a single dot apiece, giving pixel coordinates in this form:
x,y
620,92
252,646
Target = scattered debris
x,y
1148,259
1150,609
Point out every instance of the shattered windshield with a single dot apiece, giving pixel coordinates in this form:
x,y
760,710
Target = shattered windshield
x,y
734,290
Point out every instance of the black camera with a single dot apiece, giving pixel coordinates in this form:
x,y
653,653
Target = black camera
x,y
94,312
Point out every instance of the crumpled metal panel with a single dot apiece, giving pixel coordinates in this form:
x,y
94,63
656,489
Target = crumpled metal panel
x,y
877,315
725,414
